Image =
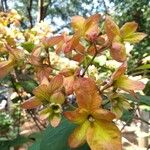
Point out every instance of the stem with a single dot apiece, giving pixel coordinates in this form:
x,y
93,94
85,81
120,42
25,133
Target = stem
x,y
106,86
91,61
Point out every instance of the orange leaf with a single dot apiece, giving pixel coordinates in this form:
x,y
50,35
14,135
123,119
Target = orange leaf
x,y
31,103
86,93
68,84
91,27
102,114
5,68
56,83
78,116
77,22
112,30
53,40
120,71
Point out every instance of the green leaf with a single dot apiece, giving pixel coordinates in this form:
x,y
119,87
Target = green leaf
x,y
142,99
127,116
37,137
5,145
143,67
29,85
57,138
29,46
147,89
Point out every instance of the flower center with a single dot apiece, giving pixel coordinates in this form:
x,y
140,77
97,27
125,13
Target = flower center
x,y
56,107
90,118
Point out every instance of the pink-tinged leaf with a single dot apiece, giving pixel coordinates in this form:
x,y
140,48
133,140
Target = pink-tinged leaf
x,y
43,72
52,41
57,98
94,19
78,116
31,103
102,114
80,48
5,68
92,27
127,84
35,58
15,52
71,44
120,71
135,37
56,83
55,120
128,29
42,92
86,93
111,29
118,52
103,135
78,137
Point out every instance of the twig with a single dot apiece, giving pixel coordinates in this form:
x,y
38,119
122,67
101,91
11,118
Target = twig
x,y
91,61
47,51
141,119
29,9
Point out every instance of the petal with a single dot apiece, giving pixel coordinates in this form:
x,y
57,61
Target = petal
x,y
86,93
57,98
102,114
56,83
135,37
55,120
42,92
31,103
128,29
103,135
118,52
125,83
78,116
45,113
5,68
78,137
111,29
